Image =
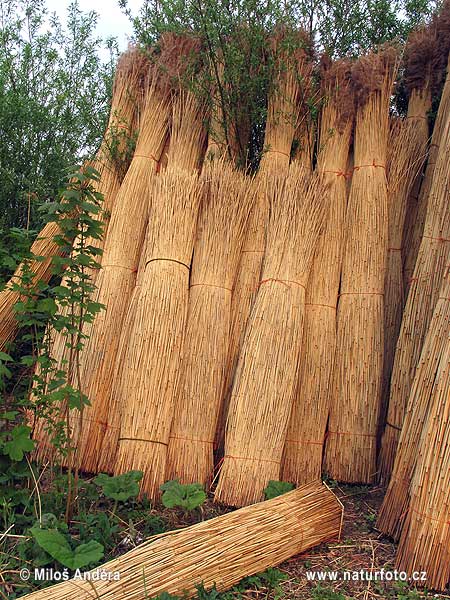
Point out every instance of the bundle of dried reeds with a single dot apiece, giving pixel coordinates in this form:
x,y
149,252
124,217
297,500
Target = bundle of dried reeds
x,y
405,158
287,108
302,458
425,540
226,207
217,552
425,284
358,367
146,381
117,277
266,374
396,502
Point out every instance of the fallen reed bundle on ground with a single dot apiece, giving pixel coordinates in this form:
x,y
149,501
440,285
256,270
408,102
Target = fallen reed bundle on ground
x,y
225,209
302,458
217,552
267,370
357,376
425,285
425,540
405,158
287,107
146,381
396,502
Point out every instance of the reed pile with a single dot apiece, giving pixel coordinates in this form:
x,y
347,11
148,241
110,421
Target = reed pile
x,y
217,552
266,374
396,502
405,159
425,540
221,228
302,458
420,64
423,292
146,381
357,375
287,108
117,277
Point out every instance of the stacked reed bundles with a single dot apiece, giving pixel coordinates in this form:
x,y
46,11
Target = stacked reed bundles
x,y
425,540
358,367
406,155
420,64
266,374
226,207
396,501
217,552
146,381
290,91
302,458
425,284
117,277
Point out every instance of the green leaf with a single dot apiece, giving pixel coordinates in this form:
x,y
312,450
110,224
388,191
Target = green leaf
x,y
186,496
120,487
53,542
277,488
47,305
5,357
19,444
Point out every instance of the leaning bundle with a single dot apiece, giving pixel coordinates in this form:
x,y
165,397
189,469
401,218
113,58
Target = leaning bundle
x,y
396,501
225,210
302,458
420,58
266,373
406,155
357,374
290,90
425,284
218,552
117,277
146,380
425,540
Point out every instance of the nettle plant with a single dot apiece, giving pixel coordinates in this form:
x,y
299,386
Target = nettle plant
x,y
62,306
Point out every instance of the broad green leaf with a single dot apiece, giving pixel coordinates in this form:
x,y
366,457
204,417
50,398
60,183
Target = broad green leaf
x,y
277,488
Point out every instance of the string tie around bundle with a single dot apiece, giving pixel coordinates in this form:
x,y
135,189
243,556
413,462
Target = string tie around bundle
x,y
267,460
370,435
393,426
132,439
219,287
374,165
190,439
361,294
174,260
285,282
344,174
318,304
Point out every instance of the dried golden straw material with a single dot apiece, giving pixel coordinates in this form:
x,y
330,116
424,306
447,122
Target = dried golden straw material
x,y
266,374
218,552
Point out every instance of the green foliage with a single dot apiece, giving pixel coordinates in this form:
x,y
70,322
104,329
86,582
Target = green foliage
x,y
54,95
19,443
187,496
321,592
120,487
58,547
276,488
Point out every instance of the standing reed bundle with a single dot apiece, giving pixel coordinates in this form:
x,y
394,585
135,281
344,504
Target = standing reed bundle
x,y
146,381
425,284
226,207
217,552
302,458
425,540
358,368
290,91
406,155
117,277
396,502
266,373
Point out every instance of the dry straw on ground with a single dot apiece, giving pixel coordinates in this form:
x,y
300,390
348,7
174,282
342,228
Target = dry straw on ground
x,y
432,258
357,375
146,381
397,499
225,209
405,158
266,374
302,458
425,540
287,108
219,552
